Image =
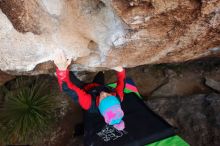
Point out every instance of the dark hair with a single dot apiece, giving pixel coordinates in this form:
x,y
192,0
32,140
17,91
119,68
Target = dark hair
x,y
107,89
97,90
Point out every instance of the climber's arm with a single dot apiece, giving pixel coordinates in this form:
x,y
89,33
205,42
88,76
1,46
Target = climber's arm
x,y
66,85
120,72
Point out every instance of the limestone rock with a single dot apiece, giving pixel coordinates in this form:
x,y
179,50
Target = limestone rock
x,y
100,34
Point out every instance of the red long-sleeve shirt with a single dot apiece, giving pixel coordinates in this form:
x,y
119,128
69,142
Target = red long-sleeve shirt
x,y
84,98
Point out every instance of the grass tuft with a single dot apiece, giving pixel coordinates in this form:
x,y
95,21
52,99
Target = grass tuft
x,y
27,112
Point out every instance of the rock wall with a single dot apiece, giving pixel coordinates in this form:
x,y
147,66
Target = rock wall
x,y
195,117
100,34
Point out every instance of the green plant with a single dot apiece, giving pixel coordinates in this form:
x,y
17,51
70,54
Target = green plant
x,y
27,112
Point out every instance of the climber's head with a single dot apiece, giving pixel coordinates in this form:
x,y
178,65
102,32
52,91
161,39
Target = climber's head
x,y
109,107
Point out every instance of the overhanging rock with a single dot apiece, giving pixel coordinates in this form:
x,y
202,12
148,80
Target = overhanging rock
x,y
102,34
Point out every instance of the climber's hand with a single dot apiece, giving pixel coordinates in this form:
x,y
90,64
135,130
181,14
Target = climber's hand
x,y
118,68
61,61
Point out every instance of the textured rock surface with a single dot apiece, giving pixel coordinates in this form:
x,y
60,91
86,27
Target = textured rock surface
x,y
213,80
213,84
4,77
101,34
187,83
171,80
196,117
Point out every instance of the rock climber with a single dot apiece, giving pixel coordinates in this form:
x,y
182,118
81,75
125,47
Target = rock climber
x,y
93,97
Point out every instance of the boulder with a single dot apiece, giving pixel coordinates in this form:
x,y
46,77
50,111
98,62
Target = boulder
x,y
100,34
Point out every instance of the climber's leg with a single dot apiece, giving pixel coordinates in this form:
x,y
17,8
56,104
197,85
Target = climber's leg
x,y
75,80
99,78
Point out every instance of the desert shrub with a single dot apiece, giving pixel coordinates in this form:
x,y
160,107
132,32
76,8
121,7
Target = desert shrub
x,y
27,112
